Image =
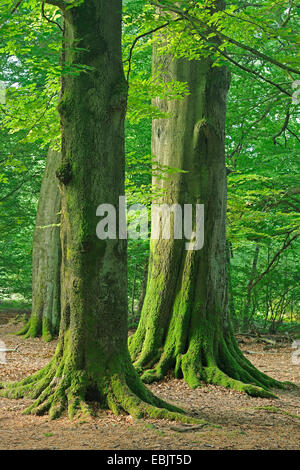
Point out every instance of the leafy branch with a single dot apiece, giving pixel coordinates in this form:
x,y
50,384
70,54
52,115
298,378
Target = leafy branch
x,y
205,31
49,19
286,244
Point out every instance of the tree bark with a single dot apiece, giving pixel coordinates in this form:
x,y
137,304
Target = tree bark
x,y
92,361
143,289
45,316
185,328
231,305
246,315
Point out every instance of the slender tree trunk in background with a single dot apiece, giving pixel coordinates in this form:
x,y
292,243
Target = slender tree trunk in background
x,y
184,326
92,361
143,289
268,295
135,315
45,316
230,288
246,315
133,291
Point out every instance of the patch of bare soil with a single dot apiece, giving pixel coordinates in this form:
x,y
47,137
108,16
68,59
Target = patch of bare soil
x,y
237,421
13,316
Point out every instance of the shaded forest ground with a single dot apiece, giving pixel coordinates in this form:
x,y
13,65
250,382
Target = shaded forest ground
x,y
243,422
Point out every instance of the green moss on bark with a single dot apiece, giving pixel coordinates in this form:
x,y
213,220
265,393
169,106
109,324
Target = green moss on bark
x,y
46,261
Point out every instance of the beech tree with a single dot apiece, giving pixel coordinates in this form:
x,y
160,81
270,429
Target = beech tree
x,y
46,258
185,326
92,360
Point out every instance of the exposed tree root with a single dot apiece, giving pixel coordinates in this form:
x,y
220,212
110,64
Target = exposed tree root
x,y
218,362
58,387
35,328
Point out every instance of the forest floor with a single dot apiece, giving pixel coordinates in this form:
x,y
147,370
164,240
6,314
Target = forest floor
x,y
243,422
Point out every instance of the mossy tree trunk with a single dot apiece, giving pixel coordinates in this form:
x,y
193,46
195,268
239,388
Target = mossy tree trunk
x,y
92,361
45,317
143,289
185,328
231,305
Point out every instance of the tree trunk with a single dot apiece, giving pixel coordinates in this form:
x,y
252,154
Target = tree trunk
x,y
184,326
246,314
45,317
133,292
231,305
92,361
143,289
